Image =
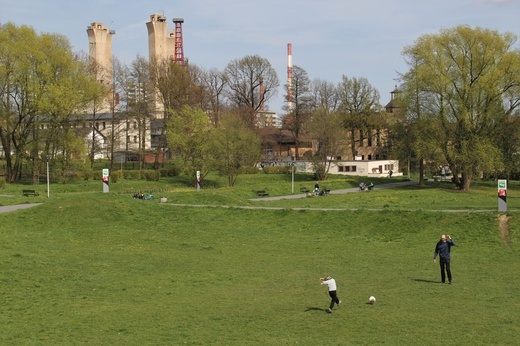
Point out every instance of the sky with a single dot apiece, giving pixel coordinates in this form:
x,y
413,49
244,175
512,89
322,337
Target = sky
x,y
330,38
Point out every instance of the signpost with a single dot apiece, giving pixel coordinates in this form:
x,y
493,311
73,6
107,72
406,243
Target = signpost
x,y
502,195
105,180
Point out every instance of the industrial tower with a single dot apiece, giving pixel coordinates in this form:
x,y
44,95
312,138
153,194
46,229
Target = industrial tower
x,y
290,101
179,49
100,55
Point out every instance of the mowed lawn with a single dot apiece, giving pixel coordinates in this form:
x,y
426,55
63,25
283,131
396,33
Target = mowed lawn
x,y
93,268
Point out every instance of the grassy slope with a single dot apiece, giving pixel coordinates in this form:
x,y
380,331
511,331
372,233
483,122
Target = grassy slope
x,y
87,267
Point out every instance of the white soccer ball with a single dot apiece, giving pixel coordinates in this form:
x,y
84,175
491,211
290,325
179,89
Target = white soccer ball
x,y
372,299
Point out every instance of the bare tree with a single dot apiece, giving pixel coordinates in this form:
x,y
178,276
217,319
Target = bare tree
x,y
298,105
358,102
250,83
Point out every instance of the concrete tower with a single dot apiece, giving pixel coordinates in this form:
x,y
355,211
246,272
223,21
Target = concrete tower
x,y
161,44
100,51
161,48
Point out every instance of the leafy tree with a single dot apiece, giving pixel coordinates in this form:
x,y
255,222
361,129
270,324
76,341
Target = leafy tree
x,y
234,146
41,81
468,80
189,142
244,78
177,85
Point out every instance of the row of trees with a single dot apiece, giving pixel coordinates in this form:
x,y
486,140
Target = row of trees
x,y
458,105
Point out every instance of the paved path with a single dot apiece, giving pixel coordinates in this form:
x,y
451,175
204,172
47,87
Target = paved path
x,y
17,207
337,192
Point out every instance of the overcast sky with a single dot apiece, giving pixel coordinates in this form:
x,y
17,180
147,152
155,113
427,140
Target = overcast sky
x,y
330,38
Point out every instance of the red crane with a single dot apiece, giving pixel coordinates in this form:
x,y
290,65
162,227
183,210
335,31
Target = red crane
x,y
179,49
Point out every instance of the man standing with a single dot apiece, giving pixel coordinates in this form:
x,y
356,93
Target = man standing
x,y
331,283
443,249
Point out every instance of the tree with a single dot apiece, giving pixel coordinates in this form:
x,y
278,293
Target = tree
x,y
327,130
214,83
40,82
298,105
177,85
469,79
359,101
133,83
234,146
190,141
250,83
323,95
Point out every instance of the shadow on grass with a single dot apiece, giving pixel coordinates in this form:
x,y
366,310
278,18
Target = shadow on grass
x,y
315,309
427,281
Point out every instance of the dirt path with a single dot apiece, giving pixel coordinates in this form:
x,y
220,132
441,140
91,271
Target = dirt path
x,y
503,224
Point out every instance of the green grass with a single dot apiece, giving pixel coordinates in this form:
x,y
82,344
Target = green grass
x,y
91,268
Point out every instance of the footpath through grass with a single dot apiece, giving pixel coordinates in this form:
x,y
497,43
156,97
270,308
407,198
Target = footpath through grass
x,y
92,268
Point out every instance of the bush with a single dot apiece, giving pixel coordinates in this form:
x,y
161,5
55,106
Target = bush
x,y
169,171
134,174
115,176
277,170
249,170
151,175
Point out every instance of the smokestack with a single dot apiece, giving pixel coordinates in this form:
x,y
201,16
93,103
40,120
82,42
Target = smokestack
x,y
290,104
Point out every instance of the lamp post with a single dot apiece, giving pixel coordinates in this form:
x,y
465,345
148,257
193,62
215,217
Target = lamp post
x,y
48,185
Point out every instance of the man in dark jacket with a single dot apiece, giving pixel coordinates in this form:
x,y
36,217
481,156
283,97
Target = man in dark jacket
x,y
443,249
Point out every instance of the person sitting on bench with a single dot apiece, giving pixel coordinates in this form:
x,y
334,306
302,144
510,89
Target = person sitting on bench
x,y
362,186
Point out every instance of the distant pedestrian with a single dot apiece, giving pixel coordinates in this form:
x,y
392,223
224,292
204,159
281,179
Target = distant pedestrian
x,y
316,189
443,249
331,283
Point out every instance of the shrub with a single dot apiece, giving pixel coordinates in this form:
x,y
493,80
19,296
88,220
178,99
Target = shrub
x,y
115,176
277,170
133,174
151,175
169,171
249,170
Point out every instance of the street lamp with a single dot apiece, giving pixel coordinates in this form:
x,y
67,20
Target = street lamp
x,y
48,185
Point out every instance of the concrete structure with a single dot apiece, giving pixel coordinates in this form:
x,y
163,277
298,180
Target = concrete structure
x,y
100,57
161,48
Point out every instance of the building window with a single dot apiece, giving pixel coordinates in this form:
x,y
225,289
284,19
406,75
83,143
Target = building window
x,y
135,139
104,125
369,157
361,140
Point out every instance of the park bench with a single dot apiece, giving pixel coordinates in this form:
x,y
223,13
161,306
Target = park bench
x,y
262,193
304,190
28,193
325,191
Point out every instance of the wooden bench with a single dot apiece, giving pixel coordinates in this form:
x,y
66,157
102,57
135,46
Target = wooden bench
x,y
304,190
28,193
262,193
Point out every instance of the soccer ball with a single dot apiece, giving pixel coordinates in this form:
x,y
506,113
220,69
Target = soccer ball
x,y
372,299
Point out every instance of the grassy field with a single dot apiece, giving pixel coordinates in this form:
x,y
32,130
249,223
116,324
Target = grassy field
x,y
91,268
